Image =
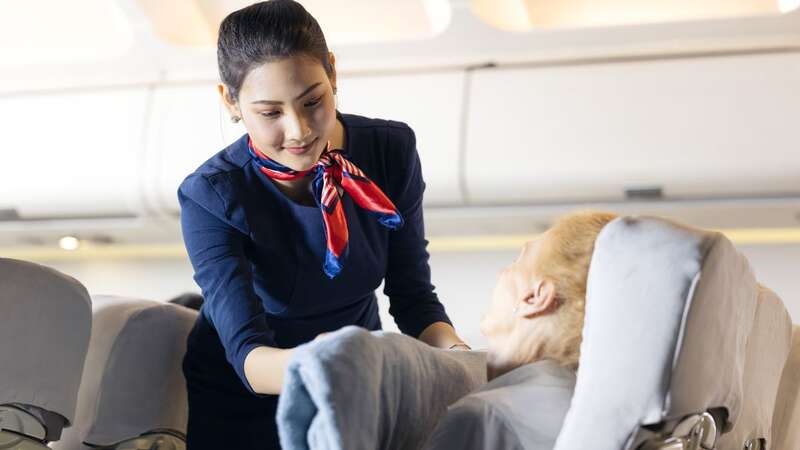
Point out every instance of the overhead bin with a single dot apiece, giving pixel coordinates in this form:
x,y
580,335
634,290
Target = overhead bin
x,y
675,128
72,154
188,125
431,104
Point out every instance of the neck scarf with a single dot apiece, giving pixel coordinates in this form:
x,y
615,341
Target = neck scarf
x,y
332,173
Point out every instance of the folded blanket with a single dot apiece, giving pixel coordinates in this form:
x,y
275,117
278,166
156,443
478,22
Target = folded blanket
x,y
356,390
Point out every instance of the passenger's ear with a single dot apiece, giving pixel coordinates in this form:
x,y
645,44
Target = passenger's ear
x,y
539,301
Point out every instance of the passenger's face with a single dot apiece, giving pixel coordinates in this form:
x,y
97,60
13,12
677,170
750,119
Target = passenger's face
x,y
288,108
514,284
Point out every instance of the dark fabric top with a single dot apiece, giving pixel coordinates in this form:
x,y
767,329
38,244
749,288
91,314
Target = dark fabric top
x,y
257,255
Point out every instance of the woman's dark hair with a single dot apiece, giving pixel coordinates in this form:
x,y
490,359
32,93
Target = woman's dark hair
x,y
264,32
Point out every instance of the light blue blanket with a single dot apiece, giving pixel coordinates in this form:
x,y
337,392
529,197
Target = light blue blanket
x,y
356,390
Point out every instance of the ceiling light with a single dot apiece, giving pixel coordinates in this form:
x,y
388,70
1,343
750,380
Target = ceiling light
x,y
44,31
69,243
522,15
196,22
185,22
786,6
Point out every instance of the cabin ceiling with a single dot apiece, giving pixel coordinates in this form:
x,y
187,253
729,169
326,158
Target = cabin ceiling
x,y
40,32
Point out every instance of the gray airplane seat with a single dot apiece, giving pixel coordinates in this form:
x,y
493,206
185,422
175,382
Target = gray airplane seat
x,y
786,425
767,351
45,321
133,394
682,349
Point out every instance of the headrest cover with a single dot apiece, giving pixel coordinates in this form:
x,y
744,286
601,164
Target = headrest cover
x,y
767,349
44,336
786,421
668,311
133,381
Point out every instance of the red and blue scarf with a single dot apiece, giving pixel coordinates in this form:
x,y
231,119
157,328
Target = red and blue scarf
x,y
334,171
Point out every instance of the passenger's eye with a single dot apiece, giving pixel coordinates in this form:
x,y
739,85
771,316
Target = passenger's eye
x,y
314,102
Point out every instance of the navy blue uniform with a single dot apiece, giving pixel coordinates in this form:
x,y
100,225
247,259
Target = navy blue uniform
x,y
257,256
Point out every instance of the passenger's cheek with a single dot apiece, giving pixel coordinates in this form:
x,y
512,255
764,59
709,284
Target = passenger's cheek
x,y
492,322
484,326
504,289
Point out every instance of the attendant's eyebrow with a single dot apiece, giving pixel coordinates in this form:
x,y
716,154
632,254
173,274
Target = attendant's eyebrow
x,y
275,102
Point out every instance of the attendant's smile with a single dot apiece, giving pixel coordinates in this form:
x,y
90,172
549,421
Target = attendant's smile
x,y
301,150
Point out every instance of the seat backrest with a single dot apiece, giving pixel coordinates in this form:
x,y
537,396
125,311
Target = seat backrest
x,y
133,383
668,313
768,347
45,322
786,422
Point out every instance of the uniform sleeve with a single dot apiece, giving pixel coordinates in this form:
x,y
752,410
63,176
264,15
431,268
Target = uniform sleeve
x,y
472,424
413,302
221,269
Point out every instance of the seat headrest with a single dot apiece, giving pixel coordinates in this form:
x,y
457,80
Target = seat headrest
x,y
132,381
786,421
768,347
44,336
668,311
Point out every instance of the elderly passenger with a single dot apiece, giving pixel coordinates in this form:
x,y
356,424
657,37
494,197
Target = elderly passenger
x,y
533,328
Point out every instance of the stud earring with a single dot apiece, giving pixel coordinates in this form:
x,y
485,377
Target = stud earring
x,y
235,119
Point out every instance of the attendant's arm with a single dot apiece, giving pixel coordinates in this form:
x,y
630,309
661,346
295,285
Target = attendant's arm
x,y
413,302
222,271
265,367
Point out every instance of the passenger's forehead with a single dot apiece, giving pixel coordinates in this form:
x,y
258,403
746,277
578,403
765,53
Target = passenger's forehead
x,y
535,242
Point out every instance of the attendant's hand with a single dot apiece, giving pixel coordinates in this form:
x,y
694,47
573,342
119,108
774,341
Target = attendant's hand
x,y
442,335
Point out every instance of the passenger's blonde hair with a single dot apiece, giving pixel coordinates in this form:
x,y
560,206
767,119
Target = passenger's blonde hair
x,y
564,260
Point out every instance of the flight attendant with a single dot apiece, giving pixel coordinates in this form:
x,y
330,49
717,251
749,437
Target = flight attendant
x,y
292,227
